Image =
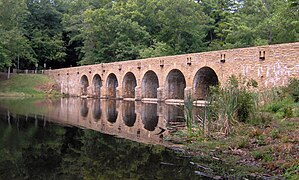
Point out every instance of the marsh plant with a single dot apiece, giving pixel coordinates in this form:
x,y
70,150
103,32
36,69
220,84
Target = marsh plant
x,y
188,113
239,102
196,123
225,107
233,103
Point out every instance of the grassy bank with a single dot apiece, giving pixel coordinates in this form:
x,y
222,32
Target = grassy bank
x,y
252,132
28,85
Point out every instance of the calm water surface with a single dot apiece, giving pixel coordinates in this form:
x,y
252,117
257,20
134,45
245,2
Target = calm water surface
x,y
73,138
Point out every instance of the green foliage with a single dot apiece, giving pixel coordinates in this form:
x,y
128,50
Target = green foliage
x,y
261,23
243,142
292,172
274,133
156,50
292,89
233,102
263,154
14,45
188,113
261,140
281,108
110,37
44,30
66,32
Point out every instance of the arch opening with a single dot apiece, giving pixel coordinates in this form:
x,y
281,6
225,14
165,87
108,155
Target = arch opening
x,y
112,84
149,85
97,84
128,113
84,84
175,85
203,80
129,84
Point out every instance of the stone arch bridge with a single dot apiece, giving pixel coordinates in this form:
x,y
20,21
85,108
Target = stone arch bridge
x,y
172,78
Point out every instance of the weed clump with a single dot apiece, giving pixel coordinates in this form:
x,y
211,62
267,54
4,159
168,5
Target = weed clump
x,y
292,90
237,102
233,102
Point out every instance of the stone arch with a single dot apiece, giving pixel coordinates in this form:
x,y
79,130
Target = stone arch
x,y
175,85
112,84
128,113
96,85
204,78
149,85
84,84
129,84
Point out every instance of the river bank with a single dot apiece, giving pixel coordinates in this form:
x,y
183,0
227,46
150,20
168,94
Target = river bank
x,y
27,85
254,132
267,150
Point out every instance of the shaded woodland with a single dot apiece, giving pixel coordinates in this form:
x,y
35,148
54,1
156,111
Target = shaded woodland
x,y
64,33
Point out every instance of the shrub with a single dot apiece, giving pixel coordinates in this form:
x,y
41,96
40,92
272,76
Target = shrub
x,y
274,133
292,172
292,89
281,109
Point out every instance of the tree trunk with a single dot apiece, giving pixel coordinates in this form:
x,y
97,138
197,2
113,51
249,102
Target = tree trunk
x,y
8,73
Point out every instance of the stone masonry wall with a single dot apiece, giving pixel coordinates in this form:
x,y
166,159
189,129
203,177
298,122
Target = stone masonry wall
x,y
270,66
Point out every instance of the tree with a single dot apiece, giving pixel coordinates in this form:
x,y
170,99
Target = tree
x,y
14,46
181,24
263,22
44,30
110,37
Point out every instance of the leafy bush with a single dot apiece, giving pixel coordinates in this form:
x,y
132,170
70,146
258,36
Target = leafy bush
x,y
292,172
292,89
281,109
274,133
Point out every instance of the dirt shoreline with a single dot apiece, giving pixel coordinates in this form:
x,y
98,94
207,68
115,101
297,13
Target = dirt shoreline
x,y
269,152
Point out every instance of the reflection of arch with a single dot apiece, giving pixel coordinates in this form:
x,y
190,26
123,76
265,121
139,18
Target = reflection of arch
x,y
111,111
84,109
149,116
97,111
129,84
204,78
174,113
175,85
128,112
96,85
84,84
112,84
149,85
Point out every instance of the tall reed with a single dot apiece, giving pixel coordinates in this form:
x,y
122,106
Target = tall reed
x,y
232,103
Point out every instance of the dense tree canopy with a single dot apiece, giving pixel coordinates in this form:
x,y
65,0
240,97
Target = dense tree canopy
x,y
65,33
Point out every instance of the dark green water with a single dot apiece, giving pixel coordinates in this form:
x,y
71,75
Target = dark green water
x,y
36,144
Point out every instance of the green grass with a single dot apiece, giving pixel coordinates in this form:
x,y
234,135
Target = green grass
x,y
24,85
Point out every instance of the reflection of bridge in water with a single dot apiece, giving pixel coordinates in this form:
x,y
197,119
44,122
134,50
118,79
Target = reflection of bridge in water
x,y
134,120
142,122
